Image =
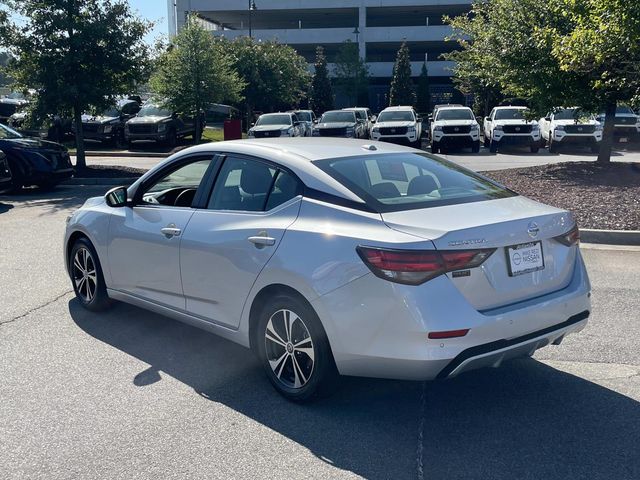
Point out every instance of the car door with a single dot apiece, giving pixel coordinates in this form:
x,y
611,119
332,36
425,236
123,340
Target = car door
x,y
144,239
487,126
225,246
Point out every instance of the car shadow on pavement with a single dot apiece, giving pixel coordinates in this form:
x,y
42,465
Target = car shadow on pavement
x,y
5,207
57,199
525,420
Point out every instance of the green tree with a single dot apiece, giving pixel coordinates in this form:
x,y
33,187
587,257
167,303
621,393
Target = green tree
x,y
573,52
402,91
78,54
194,72
423,100
275,77
351,73
321,95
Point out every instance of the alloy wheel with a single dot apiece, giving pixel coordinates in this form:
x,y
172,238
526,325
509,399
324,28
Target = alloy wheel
x,y
289,349
85,276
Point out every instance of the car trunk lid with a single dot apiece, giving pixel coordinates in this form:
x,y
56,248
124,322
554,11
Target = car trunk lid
x,y
499,224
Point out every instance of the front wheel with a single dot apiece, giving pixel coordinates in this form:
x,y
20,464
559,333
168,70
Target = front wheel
x,y
493,146
434,147
534,148
293,349
476,147
86,276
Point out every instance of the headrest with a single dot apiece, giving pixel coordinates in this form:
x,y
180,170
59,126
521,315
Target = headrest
x,y
421,185
255,178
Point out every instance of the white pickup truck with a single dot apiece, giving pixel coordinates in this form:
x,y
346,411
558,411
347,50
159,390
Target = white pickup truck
x,y
399,125
509,126
454,127
566,126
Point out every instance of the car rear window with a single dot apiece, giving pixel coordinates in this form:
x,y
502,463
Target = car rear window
x,y
407,181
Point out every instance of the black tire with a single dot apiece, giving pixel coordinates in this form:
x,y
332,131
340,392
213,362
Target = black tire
x,y
98,300
476,147
317,375
493,146
553,147
534,148
486,142
119,141
434,147
172,139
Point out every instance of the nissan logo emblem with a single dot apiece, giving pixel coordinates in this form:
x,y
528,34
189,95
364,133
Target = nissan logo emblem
x,y
393,130
456,129
533,229
517,129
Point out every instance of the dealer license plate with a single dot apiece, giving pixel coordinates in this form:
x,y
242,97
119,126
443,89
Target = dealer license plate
x,y
525,258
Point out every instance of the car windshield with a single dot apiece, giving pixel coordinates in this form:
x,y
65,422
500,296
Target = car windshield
x,y
338,117
7,133
274,120
396,116
567,114
111,112
510,114
16,96
150,110
624,110
455,114
304,116
406,181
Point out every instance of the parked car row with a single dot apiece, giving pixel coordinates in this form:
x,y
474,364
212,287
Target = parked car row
x,y
394,124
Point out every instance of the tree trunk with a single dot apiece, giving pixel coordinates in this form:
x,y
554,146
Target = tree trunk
x,y
197,136
607,135
81,162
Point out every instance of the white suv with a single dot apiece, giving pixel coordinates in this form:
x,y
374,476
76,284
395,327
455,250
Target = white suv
x,y
627,125
398,124
508,126
570,126
454,127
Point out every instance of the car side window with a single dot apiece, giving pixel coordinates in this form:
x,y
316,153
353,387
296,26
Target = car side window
x,y
242,185
285,187
178,187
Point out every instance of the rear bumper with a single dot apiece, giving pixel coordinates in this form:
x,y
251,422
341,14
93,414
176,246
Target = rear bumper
x,y
385,333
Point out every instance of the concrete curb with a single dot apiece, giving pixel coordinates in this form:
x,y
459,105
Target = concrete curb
x,y
610,237
100,181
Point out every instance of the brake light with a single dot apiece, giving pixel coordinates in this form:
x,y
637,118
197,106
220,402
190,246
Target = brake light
x,y
572,237
413,267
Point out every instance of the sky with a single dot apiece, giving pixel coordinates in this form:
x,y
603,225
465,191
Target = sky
x,y
156,11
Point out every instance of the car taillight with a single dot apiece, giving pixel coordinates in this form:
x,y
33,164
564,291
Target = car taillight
x,y
413,267
572,237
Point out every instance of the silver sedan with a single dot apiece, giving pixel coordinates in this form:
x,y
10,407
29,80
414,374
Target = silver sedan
x,y
332,256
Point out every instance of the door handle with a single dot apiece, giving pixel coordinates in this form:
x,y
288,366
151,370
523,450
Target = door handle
x,y
262,240
171,231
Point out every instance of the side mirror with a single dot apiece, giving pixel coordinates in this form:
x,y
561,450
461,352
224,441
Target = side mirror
x,y
116,197
547,119
486,119
253,124
374,118
174,115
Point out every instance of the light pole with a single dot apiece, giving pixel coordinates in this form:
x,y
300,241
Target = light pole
x,y
252,7
356,32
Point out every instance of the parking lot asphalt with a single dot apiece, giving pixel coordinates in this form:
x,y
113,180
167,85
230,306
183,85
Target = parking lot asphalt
x,y
483,161
129,394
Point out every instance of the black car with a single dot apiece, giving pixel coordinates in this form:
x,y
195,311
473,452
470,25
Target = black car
x,y
33,161
11,104
108,126
5,174
339,123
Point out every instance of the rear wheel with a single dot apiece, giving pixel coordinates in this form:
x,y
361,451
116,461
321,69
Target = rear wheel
x,y
476,147
553,146
86,276
294,350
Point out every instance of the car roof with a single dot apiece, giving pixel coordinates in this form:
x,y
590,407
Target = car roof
x,y
457,107
392,109
276,113
298,155
519,107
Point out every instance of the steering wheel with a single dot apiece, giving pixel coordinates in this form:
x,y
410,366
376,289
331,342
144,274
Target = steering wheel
x,y
185,199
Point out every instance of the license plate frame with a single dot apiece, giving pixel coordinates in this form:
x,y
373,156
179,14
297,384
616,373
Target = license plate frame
x,y
624,140
517,249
